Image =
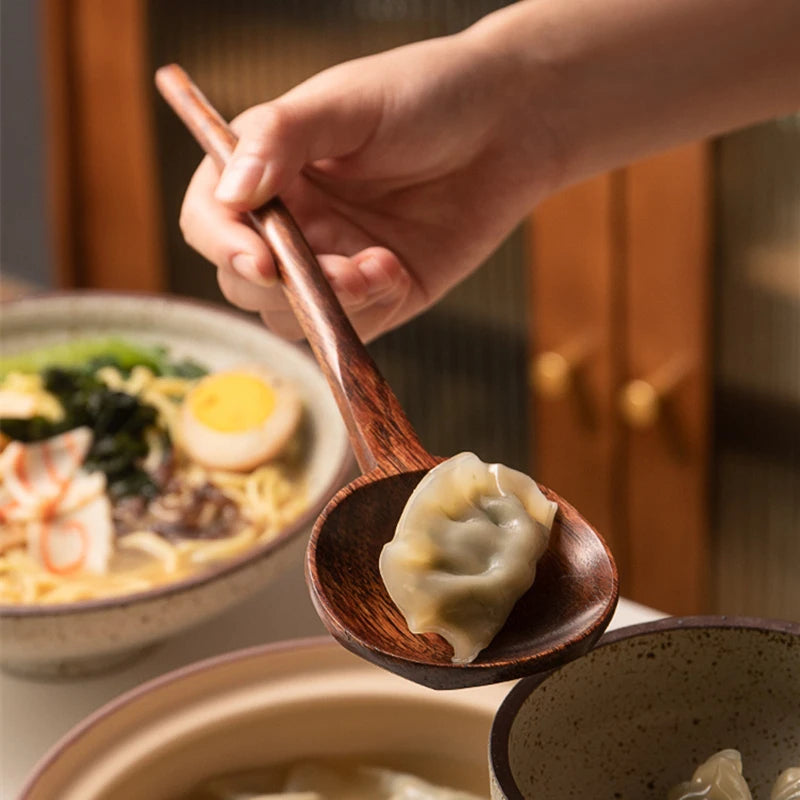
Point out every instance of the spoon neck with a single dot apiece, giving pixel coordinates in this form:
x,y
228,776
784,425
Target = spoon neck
x,y
379,430
380,433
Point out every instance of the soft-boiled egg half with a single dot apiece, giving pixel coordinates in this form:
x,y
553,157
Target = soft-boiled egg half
x,y
240,418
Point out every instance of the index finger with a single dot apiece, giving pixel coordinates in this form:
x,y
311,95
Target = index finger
x,y
220,234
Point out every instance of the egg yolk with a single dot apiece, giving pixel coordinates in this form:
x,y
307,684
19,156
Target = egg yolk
x,y
232,402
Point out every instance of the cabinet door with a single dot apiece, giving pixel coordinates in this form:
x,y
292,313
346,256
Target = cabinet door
x,y
666,359
573,295
104,200
620,367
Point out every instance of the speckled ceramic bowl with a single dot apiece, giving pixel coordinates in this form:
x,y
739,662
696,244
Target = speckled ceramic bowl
x,y
635,716
264,707
76,638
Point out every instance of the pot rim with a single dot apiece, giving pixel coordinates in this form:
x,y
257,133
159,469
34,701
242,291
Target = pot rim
x,y
177,675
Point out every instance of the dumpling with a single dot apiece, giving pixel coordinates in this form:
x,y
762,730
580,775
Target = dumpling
x,y
273,796
718,778
787,787
364,783
465,550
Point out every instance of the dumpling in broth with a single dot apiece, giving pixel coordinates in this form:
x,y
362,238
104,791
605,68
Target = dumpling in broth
x,y
718,778
364,783
787,787
465,550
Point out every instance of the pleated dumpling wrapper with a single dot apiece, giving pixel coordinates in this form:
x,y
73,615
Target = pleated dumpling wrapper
x,y
465,550
787,786
341,782
718,778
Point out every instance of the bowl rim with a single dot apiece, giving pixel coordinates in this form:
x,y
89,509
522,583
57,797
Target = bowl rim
x,y
176,675
213,572
499,737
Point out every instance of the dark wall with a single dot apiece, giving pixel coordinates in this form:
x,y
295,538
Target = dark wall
x,y
24,246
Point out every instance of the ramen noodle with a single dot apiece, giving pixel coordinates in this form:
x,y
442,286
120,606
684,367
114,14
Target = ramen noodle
x,y
109,481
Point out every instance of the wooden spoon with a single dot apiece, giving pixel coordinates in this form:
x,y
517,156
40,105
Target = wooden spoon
x,y
576,589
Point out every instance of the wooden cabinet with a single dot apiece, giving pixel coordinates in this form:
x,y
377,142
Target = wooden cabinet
x,y
105,208
620,327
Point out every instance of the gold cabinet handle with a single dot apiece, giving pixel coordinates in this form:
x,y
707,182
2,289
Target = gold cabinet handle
x,y
554,373
641,401
551,374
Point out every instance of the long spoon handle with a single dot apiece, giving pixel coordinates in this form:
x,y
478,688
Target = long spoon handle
x,y
379,430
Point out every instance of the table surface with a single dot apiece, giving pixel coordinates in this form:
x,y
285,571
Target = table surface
x,y
34,714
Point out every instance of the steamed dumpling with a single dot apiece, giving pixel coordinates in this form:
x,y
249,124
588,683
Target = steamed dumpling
x,y
787,787
718,778
363,783
465,550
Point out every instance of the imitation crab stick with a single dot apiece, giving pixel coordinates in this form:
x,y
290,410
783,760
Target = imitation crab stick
x,y
37,476
64,510
79,540
72,529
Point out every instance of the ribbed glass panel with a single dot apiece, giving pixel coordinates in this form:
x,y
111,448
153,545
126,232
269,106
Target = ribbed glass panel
x,y
460,369
757,398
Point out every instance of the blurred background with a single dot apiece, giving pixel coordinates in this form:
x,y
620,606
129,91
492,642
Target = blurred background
x,y
635,344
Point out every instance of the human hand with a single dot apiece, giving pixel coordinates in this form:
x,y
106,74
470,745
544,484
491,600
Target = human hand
x,y
404,170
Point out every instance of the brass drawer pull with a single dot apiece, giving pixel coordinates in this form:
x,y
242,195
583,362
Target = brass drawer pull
x,y
642,400
554,373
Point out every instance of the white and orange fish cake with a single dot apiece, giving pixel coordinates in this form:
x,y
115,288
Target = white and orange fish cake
x,y
62,509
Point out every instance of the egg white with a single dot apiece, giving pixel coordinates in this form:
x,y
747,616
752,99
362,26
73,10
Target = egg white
x,y
244,450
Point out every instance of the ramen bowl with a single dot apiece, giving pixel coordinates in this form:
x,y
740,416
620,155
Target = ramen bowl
x,y
641,711
89,635
265,707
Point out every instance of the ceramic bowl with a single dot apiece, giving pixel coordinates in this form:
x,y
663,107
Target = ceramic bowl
x,y
635,716
264,707
76,638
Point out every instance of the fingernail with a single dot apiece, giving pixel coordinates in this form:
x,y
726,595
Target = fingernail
x,y
239,178
378,279
247,267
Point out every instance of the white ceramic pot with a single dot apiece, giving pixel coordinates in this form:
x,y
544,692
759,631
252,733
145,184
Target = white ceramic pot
x,y
269,706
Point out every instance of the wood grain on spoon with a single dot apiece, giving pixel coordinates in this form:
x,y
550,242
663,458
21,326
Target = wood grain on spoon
x,y
576,589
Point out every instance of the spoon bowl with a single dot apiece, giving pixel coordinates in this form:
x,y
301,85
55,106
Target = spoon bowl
x,y
576,588
559,618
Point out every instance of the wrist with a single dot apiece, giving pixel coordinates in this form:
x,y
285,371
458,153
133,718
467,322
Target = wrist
x,y
521,51
617,80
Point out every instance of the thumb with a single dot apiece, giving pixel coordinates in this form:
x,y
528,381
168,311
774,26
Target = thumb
x,y
325,117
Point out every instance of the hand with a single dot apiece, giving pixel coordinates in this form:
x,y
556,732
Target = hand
x,y
405,170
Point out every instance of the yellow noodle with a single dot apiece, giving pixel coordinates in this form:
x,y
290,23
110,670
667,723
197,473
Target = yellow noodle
x,y
209,550
45,404
154,545
112,378
270,498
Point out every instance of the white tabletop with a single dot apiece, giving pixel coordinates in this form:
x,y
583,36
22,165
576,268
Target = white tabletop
x,y
35,714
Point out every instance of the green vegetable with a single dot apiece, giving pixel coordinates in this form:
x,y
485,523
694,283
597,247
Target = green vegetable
x,y
91,354
81,351
185,369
